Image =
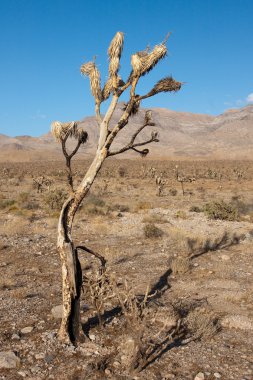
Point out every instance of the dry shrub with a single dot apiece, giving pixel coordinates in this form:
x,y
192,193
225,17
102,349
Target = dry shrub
x,y
180,264
155,218
119,207
202,323
151,231
54,199
173,192
195,209
198,319
122,171
181,215
145,328
221,210
6,203
143,206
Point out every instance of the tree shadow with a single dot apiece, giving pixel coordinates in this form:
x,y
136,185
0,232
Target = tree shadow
x,y
107,317
224,241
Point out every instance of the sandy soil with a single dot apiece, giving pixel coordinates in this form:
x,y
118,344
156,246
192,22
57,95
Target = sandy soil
x,y
198,271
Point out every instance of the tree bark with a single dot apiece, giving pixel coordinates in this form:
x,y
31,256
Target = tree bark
x,y
71,268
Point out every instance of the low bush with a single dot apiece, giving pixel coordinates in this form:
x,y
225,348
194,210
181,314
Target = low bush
x,y
151,231
54,199
195,209
173,192
118,207
221,210
6,203
181,214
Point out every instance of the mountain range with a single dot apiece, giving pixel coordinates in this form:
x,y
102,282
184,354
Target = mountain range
x,y
182,135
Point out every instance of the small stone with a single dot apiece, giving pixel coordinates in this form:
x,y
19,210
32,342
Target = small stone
x,y
27,330
49,358
199,376
107,372
22,374
8,359
40,356
225,257
57,311
15,337
92,337
217,375
195,264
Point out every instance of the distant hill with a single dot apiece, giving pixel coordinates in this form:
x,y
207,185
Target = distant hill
x,y
182,135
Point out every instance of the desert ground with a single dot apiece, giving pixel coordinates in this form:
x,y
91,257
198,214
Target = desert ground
x,y
179,250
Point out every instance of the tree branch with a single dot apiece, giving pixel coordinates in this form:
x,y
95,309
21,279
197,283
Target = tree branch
x,y
133,146
97,255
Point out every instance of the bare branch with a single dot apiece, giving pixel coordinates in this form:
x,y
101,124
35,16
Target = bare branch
x,y
97,255
132,145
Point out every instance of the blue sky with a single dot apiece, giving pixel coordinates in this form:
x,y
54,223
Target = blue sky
x,y
44,42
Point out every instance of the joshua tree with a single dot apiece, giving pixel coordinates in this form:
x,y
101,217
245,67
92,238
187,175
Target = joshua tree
x,y
142,62
183,179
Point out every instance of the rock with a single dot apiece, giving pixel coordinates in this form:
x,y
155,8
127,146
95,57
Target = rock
x,y
8,359
199,376
49,358
22,373
40,356
92,337
27,330
237,322
57,311
217,375
15,337
225,257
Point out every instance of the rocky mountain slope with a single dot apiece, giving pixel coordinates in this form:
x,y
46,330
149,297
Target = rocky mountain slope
x,y
182,135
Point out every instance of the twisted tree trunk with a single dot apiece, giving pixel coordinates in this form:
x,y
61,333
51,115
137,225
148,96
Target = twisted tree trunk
x,y
71,268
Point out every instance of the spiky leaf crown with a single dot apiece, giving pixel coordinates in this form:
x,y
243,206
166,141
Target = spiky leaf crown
x,y
61,131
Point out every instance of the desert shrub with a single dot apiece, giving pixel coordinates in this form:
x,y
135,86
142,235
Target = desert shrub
x,y
23,197
151,231
118,207
122,171
95,201
181,214
94,206
173,192
55,199
242,207
195,209
221,210
180,264
143,206
25,202
6,203
94,210
155,218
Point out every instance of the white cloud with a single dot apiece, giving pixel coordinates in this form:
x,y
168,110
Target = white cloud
x,y
250,98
